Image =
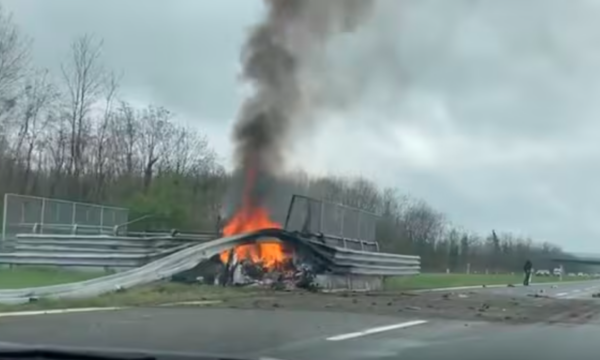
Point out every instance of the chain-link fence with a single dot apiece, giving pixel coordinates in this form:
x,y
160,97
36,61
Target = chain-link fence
x,y
26,214
316,216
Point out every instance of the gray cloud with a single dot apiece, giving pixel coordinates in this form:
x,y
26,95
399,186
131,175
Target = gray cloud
x,y
182,53
484,108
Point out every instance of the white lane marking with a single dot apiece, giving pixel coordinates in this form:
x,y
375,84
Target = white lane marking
x,y
91,309
457,288
572,296
561,294
577,291
375,330
200,302
580,295
57,311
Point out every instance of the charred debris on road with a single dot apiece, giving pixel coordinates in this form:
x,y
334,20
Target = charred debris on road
x,y
284,276
295,266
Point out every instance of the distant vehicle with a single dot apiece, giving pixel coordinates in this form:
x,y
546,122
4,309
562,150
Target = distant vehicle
x,y
542,273
557,271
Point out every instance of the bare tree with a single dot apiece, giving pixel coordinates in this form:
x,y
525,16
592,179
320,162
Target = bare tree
x,y
103,138
57,145
155,128
126,136
36,111
14,60
362,194
84,77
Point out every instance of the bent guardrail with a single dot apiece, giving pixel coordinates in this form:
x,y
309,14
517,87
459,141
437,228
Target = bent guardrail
x,y
335,260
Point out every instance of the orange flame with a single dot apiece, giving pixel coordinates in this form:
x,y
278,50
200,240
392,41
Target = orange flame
x,y
250,219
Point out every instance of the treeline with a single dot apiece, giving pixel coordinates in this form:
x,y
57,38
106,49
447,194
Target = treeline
x,y
70,135
411,226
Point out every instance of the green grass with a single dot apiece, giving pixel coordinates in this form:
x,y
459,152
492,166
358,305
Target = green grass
x,y
433,281
149,295
23,277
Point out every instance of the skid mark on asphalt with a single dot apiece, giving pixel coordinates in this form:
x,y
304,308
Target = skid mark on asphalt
x,y
376,330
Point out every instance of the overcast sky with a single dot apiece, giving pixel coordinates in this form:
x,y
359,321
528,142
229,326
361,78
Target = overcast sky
x,y
484,108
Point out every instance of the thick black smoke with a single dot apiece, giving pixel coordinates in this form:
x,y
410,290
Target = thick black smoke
x,y
292,33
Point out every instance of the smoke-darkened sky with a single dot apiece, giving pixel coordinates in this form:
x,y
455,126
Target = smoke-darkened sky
x,y
486,109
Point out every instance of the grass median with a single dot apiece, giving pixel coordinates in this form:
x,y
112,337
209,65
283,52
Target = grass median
x,y
161,293
24,277
435,281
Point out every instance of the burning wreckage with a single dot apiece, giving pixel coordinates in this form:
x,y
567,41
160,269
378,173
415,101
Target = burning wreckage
x,y
275,56
277,259
265,254
253,265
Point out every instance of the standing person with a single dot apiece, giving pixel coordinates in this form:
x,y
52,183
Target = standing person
x,y
527,268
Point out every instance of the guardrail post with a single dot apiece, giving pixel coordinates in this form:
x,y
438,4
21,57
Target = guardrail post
x,y
42,215
36,228
74,212
101,217
4,217
321,216
342,222
74,229
357,235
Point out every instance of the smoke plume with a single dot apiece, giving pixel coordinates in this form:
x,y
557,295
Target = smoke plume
x,y
293,33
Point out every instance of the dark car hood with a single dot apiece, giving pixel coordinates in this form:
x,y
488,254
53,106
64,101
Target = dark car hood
x,y
121,352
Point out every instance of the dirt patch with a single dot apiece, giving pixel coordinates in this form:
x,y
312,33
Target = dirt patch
x,y
459,306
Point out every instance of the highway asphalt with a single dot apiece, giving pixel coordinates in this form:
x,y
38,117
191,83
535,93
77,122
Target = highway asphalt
x,y
562,290
303,335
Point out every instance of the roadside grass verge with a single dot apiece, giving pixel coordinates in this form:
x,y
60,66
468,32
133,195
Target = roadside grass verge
x,y
164,292
24,277
435,281
149,295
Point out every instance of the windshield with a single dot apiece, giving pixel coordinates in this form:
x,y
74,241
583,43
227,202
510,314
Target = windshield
x,y
298,179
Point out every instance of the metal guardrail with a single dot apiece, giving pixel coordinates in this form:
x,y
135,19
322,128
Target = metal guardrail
x,y
79,229
103,260
94,250
351,261
160,269
337,260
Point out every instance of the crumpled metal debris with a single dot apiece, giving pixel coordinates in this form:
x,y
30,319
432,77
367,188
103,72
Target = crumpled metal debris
x,y
285,277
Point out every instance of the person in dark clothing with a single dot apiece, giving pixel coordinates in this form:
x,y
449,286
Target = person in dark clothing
x,y
527,268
